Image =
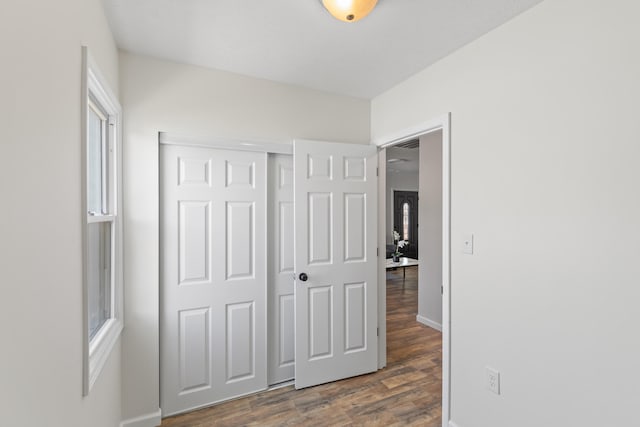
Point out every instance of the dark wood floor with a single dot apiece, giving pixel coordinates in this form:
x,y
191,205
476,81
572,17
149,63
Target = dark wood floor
x,y
406,392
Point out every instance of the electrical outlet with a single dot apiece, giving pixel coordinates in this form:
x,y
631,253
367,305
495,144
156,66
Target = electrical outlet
x,y
493,380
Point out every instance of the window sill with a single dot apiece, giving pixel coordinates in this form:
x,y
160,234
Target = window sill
x,y
100,218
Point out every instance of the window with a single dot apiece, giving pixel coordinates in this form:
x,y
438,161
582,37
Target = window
x,y
102,273
405,221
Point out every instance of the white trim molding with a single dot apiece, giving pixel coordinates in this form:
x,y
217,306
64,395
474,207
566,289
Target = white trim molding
x,y
279,147
382,270
452,424
428,322
153,419
446,268
415,131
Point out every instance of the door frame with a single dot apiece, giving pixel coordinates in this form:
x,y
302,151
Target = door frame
x,y
262,146
442,123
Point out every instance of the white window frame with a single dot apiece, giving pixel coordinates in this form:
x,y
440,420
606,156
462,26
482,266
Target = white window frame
x,y
96,350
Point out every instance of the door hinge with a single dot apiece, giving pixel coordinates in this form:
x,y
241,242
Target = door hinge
x,y
377,332
377,171
377,251
441,290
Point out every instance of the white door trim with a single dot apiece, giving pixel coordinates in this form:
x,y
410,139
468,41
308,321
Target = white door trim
x,y
263,146
439,123
412,132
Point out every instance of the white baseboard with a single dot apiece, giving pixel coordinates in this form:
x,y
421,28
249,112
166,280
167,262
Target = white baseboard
x,y
148,420
428,322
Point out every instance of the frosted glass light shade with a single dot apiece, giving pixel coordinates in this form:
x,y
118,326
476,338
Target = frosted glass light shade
x,y
349,10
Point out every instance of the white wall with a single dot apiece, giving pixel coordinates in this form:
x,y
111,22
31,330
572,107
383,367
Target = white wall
x,y
40,220
544,171
191,101
430,230
400,180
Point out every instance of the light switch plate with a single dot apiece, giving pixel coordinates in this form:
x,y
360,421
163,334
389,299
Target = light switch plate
x,y
467,244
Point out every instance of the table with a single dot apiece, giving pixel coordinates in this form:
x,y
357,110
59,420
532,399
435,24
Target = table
x,y
404,263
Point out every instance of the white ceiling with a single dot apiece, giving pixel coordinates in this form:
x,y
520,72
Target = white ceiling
x,y
403,160
298,42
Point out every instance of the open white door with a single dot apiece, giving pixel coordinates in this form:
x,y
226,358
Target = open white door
x,y
335,190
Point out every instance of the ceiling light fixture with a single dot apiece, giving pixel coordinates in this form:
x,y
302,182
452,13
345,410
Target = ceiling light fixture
x,y
349,10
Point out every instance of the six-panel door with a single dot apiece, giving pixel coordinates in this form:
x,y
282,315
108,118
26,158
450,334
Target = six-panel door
x,y
336,223
213,276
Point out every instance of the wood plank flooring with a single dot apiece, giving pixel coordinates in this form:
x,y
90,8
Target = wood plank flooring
x,y
406,392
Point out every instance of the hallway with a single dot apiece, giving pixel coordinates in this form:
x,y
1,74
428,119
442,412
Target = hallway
x,y
406,392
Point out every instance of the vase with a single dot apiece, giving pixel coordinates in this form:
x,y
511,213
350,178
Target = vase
x,y
396,258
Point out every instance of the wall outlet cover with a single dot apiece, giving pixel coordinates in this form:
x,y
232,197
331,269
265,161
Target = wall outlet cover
x,y
493,380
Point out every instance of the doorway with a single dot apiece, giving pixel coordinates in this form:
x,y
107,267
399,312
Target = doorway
x,y
438,130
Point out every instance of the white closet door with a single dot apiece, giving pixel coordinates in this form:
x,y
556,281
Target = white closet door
x,y
213,278
336,239
281,302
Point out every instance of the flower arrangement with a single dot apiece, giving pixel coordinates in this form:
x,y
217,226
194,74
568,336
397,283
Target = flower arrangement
x,y
398,244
